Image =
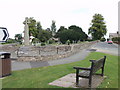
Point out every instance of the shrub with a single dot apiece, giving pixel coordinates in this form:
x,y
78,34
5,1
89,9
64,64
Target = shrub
x,y
42,44
10,41
51,41
68,42
116,39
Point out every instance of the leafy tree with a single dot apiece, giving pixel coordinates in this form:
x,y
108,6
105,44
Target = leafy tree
x,y
62,28
39,27
98,27
18,38
76,28
44,36
81,35
35,29
39,30
53,28
63,35
32,27
73,33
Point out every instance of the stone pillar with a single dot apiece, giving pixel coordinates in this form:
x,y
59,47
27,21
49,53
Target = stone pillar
x,y
26,32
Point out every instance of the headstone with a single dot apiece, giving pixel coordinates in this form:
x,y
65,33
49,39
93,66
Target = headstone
x,y
26,32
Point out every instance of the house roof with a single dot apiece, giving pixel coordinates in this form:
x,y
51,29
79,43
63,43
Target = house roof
x,y
113,34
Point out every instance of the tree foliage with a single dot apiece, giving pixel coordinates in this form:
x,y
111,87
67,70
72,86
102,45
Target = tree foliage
x,y
18,38
73,33
35,29
98,27
44,36
32,27
53,28
81,35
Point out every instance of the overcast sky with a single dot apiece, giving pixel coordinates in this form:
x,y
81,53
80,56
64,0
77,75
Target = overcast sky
x,y
64,12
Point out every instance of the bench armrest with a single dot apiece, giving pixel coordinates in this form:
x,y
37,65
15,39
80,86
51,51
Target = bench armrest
x,y
82,68
92,60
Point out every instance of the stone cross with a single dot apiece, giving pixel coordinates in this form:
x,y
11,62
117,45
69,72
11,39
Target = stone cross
x,y
26,32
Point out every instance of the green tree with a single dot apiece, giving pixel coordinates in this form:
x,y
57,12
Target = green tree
x,y
98,27
81,35
32,27
73,33
53,28
62,28
44,36
18,38
39,30
39,27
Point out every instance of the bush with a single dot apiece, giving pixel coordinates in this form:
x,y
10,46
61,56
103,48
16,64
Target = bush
x,y
42,44
35,40
10,41
51,41
116,39
102,39
68,42
90,40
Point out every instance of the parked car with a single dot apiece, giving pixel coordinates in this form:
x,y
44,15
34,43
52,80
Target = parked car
x,y
110,42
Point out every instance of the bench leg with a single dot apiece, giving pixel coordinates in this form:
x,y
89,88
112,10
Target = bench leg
x,y
90,81
77,77
77,81
102,71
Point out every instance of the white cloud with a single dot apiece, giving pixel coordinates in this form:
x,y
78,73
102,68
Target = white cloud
x,y
64,12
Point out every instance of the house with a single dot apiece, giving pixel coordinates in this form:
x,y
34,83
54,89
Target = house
x,y
112,35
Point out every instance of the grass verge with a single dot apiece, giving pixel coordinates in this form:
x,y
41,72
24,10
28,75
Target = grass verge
x,y
40,77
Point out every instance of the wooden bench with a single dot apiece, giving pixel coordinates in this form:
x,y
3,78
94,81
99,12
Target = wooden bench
x,y
88,72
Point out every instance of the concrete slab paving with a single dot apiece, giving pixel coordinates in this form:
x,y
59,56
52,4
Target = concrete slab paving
x,y
39,64
70,81
20,65
96,81
61,83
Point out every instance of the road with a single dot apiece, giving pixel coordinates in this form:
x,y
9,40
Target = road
x,y
99,47
106,48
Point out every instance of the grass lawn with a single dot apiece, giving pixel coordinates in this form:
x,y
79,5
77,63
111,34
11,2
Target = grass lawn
x,y
40,77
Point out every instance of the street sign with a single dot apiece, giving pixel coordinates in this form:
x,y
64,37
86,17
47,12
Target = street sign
x,y
3,34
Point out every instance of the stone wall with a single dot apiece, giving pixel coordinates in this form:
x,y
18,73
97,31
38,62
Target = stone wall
x,y
45,53
9,47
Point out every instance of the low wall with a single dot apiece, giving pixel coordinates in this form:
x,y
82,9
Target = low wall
x,y
45,53
9,47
